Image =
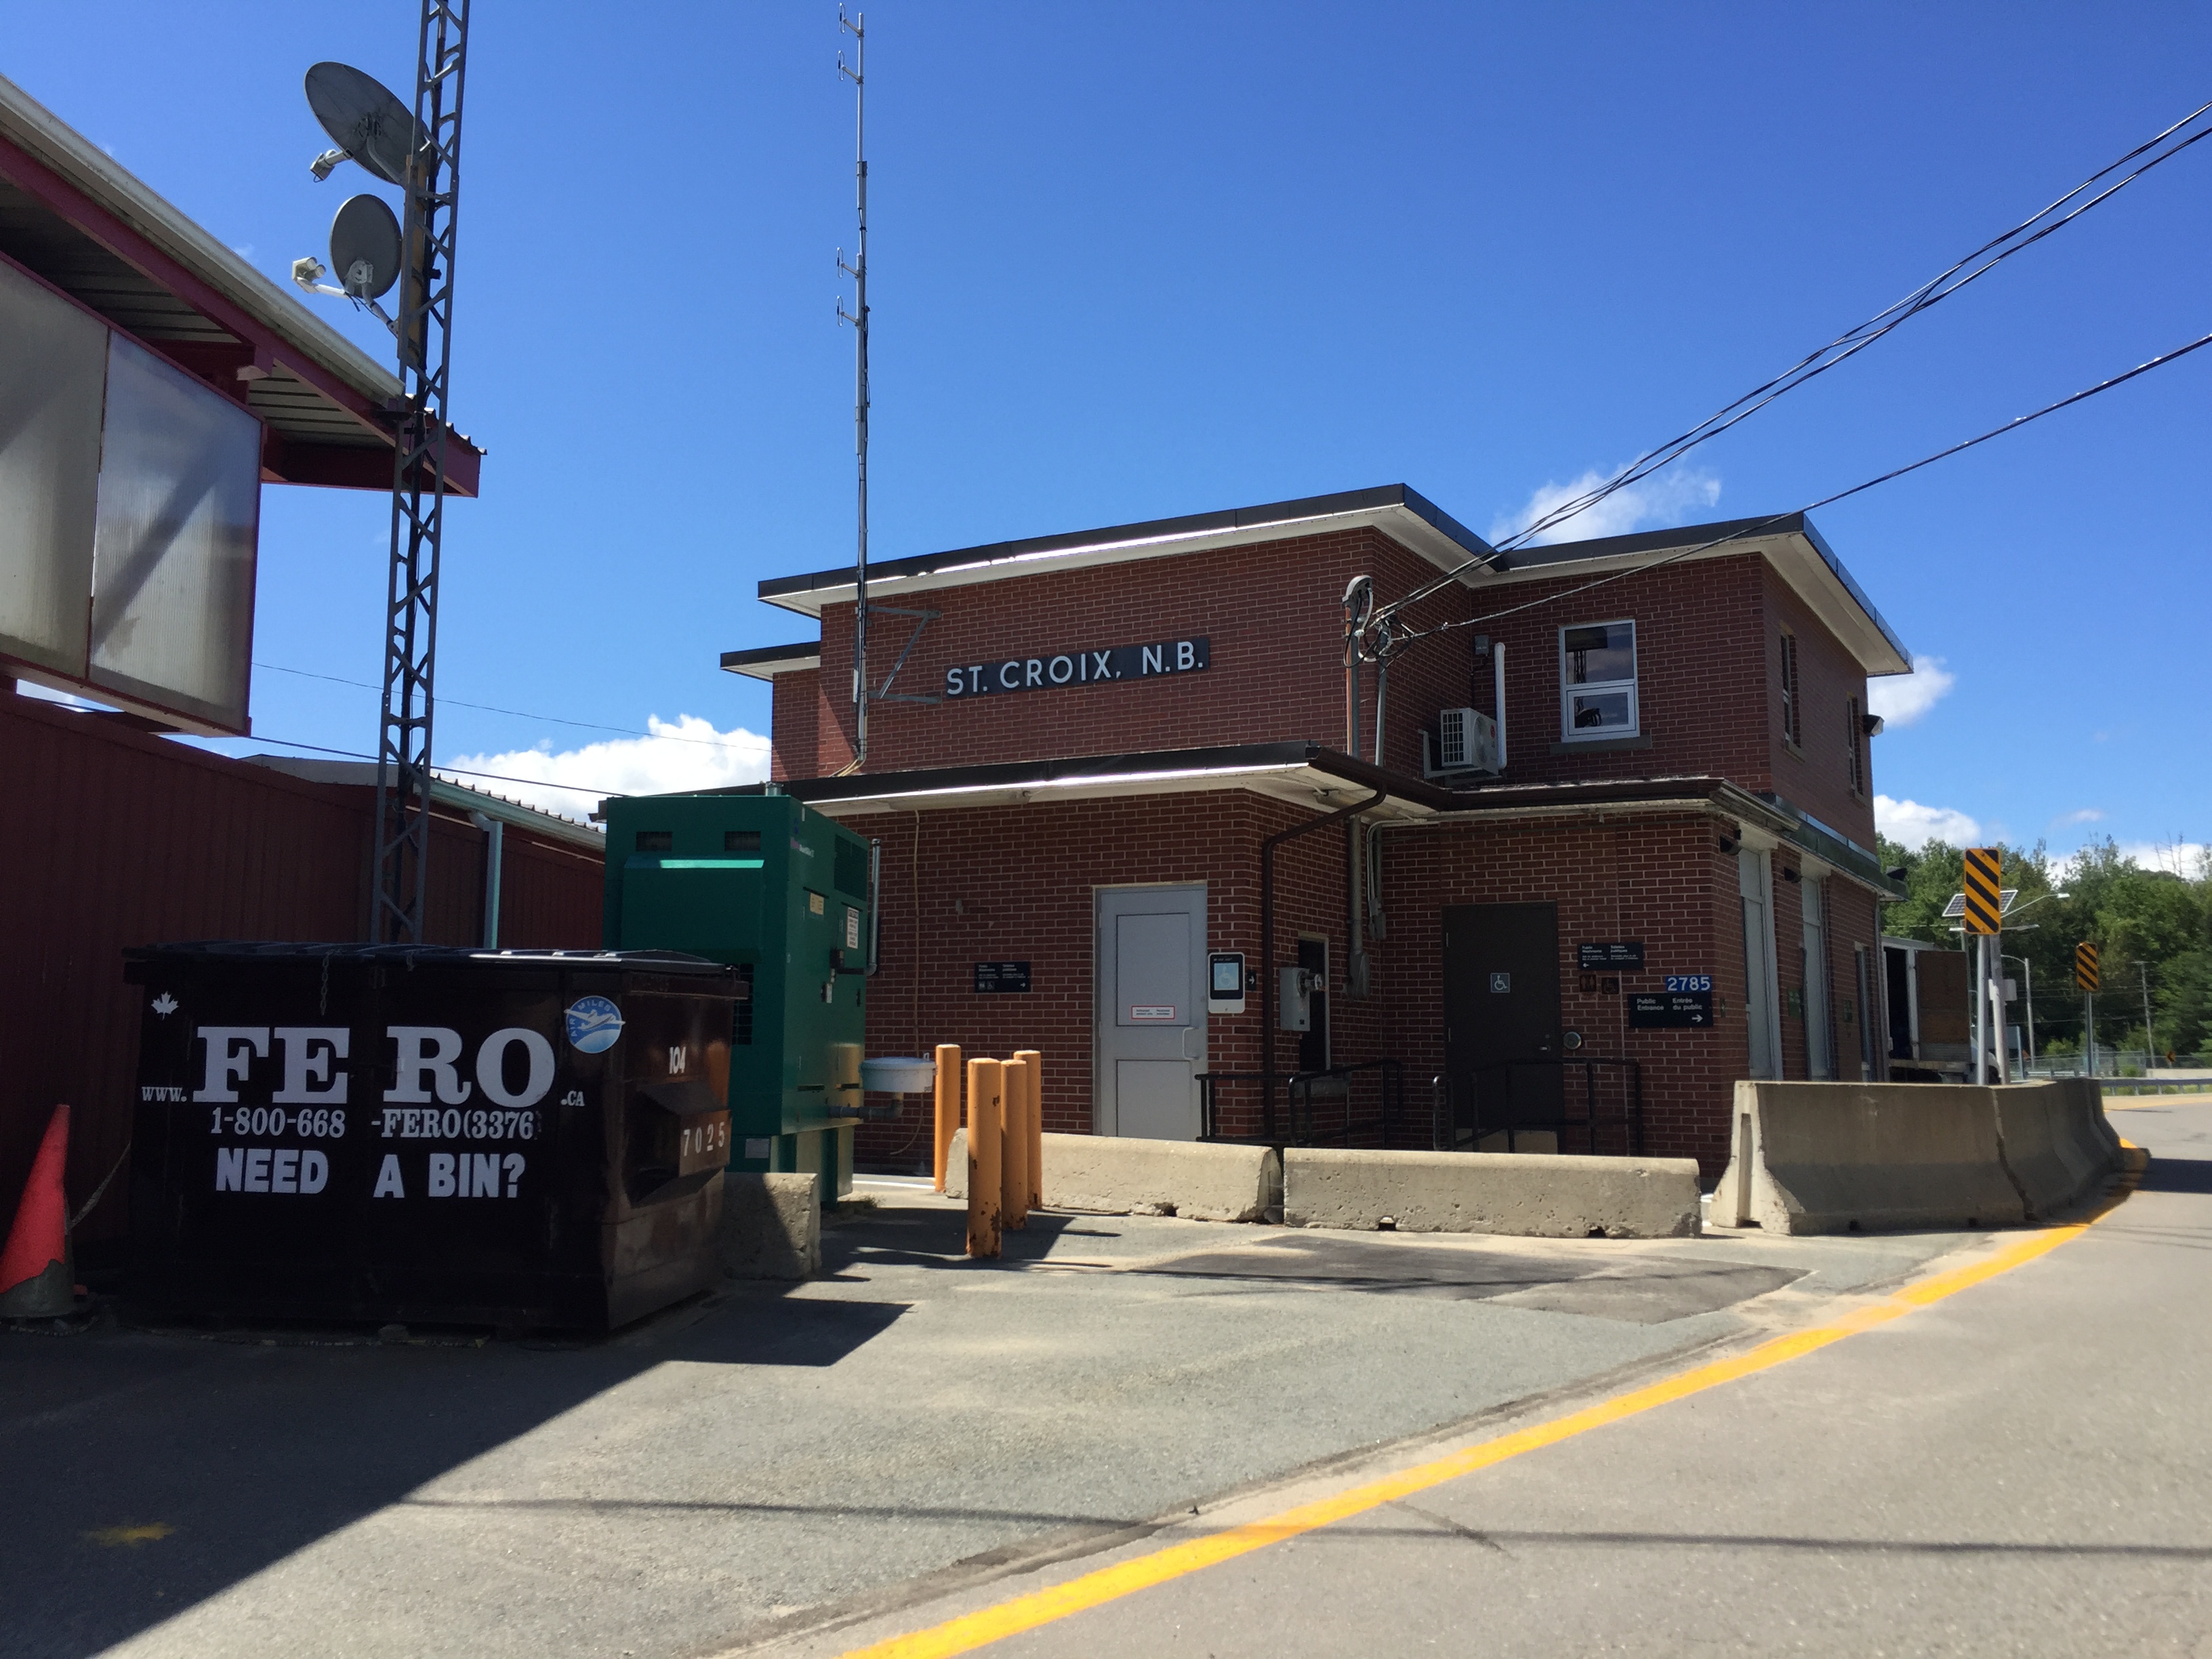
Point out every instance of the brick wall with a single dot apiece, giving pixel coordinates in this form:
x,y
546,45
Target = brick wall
x,y
1816,774
1707,644
794,706
1274,614
964,886
1662,879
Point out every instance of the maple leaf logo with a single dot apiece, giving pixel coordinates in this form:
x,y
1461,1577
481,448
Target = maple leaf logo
x,y
165,1005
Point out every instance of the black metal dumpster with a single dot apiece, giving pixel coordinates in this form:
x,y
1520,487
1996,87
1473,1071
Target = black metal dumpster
x,y
514,1138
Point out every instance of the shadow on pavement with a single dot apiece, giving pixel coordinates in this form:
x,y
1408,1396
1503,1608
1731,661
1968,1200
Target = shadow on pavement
x,y
2177,1175
149,1470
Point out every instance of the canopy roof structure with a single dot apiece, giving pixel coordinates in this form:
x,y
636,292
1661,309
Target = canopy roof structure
x,y
76,221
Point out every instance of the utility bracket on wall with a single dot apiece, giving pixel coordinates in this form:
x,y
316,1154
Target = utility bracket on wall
x,y
925,617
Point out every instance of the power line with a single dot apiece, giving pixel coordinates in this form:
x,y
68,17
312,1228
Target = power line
x,y
1847,344
1843,347
1760,525
758,745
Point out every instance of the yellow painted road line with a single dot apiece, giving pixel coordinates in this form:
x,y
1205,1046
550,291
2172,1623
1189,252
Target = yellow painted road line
x,y
1024,1613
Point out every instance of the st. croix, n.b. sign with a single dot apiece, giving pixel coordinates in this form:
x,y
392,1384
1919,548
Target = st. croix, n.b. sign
x,y
1084,667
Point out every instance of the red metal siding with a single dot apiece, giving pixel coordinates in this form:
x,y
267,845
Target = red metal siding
x,y
112,838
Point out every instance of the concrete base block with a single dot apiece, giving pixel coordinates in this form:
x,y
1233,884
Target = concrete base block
x,y
771,1225
1114,1174
1532,1195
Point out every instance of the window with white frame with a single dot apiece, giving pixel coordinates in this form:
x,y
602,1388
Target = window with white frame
x,y
1597,681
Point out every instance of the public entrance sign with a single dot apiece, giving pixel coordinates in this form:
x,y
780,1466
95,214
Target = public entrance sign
x,y
1678,1010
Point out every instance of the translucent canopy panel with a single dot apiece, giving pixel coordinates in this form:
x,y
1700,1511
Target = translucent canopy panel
x,y
53,358
174,542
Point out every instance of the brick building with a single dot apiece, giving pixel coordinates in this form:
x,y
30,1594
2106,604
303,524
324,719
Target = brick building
x,y
1096,745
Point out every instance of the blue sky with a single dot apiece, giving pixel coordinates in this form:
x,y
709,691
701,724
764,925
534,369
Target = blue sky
x,y
1139,260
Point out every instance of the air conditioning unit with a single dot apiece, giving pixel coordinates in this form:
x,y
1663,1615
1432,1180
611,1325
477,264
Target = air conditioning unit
x,y
1468,740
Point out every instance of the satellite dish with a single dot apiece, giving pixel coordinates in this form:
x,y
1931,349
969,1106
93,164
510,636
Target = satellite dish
x,y
365,248
364,121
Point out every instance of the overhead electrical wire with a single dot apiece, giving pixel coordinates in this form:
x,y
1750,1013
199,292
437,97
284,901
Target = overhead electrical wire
x,y
754,744
1846,345
1756,526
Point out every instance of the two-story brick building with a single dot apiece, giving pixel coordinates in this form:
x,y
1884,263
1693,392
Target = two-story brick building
x,y
1123,752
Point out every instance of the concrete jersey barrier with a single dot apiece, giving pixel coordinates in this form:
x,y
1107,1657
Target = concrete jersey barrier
x,y
1825,1158
2046,1135
1114,1174
771,1225
1531,1194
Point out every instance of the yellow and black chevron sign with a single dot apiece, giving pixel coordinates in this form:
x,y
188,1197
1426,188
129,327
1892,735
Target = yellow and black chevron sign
x,y
2085,967
1985,903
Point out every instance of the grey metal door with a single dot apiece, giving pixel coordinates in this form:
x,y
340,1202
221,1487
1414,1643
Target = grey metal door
x,y
1150,1043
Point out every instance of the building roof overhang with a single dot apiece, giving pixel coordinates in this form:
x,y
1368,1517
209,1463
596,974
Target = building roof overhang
x,y
1403,515
1789,542
1321,778
74,219
765,662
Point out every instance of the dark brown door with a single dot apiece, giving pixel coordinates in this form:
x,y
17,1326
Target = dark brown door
x,y
1502,1016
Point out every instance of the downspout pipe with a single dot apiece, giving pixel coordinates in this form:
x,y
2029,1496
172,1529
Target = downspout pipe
x,y
495,855
1269,981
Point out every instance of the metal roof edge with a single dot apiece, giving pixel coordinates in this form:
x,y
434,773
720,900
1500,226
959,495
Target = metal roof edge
x,y
765,662
1267,515
1227,758
43,136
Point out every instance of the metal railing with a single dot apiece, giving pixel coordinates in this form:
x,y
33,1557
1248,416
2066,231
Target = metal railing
x,y
1362,1105
1608,1118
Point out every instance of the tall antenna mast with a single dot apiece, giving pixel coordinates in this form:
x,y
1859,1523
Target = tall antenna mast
x,y
857,72
418,477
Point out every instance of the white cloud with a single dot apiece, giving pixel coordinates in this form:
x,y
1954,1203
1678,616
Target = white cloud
x,y
2183,858
685,753
1902,699
2086,814
1913,825
1661,500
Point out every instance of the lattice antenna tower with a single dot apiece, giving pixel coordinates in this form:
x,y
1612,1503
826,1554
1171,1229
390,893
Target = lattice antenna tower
x,y
857,73
418,478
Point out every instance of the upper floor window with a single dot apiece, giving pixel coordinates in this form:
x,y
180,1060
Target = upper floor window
x,y
1791,702
1597,681
1858,748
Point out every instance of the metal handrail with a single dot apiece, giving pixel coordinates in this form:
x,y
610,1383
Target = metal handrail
x,y
1514,1124
1298,1087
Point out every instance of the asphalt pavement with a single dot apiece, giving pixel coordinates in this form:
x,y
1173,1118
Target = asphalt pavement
x,y
2022,1467
803,1466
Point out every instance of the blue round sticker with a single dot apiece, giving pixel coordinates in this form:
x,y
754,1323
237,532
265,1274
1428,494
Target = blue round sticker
x,y
594,1023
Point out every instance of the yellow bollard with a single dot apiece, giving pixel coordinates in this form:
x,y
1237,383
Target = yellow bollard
x,y
1014,1149
948,1104
986,1107
1035,1061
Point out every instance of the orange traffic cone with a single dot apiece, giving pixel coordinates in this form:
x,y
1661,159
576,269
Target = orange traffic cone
x,y
38,1275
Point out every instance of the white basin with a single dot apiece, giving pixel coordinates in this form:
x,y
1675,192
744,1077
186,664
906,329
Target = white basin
x,y
901,1076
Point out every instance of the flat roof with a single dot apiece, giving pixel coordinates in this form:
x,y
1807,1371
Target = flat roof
x,y
1408,516
74,218
1788,542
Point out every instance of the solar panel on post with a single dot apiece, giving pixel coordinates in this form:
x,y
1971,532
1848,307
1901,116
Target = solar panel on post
x,y
1985,908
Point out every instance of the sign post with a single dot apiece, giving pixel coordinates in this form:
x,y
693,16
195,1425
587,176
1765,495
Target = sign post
x,y
2088,978
1984,921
